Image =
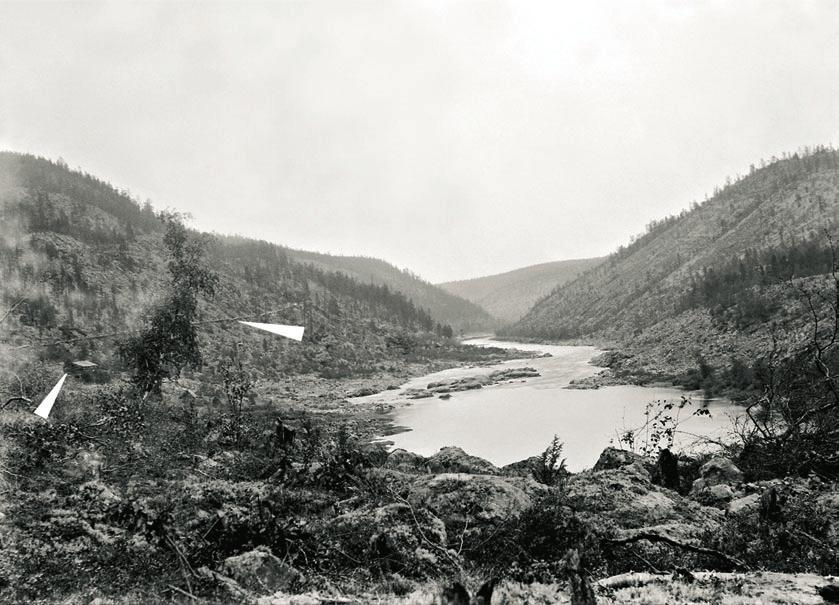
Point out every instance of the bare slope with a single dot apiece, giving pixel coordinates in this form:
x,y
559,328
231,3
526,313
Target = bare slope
x,y
642,285
508,296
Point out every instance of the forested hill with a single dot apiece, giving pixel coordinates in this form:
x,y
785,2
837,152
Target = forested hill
x,y
80,258
752,233
508,296
446,307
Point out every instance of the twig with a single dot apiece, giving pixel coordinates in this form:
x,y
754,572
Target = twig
x,y
183,592
6,470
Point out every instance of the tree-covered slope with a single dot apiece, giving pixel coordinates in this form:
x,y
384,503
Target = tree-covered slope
x,y
790,200
80,258
508,296
446,307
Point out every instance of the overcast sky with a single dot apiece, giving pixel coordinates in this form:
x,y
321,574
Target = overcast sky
x,y
454,138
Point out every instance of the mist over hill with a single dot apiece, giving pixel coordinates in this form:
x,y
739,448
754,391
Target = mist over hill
x,y
509,295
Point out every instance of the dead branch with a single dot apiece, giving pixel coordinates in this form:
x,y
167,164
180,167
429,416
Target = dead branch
x,y
11,400
654,537
11,309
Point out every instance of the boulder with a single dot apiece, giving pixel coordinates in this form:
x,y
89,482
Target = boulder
x,y
717,496
259,570
717,479
397,537
86,464
522,468
627,497
718,471
484,499
744,505
612,458
406,462
455,460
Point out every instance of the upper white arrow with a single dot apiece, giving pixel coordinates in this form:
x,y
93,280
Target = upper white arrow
x,y
293,332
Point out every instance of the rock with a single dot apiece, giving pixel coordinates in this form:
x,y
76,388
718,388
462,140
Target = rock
x,y
396,537
260,570
455,460
514,373
612,458
627,496
830,501
363,392
96,491
745,505
406,462
301,599
719,471
485,499
230,586
717,496
87,464
522,468
208,466
717,479
469,383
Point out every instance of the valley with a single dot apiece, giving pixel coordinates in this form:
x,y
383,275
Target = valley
x,y
640,414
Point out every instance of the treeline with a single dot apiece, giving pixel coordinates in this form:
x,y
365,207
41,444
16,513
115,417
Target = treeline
x,y
40,175
265,266
731,285
781,172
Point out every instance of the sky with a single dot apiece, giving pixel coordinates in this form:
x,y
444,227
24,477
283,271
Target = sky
x,y
456,139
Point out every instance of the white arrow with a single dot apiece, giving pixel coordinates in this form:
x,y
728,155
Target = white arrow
x,y
293,332
43,410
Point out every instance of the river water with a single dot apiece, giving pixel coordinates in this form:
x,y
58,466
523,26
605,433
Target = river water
x,y
508,422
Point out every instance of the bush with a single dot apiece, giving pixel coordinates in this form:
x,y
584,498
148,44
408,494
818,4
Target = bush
x,y
532,548
550,468
800,542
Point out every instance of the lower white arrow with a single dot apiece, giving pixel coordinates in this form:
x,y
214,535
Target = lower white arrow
x,y
293,332
43,410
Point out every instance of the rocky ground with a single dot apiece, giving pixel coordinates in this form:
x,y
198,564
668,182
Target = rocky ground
x,y
454,487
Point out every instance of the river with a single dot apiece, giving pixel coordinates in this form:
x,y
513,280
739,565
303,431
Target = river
x,y
508,422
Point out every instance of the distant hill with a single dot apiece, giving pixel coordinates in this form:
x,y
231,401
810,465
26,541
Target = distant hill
x,y
79,257
508,296
445,307
660,288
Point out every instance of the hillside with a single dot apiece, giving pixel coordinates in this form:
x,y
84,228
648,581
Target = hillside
x,y
80,258
647,291
508,296
445,306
